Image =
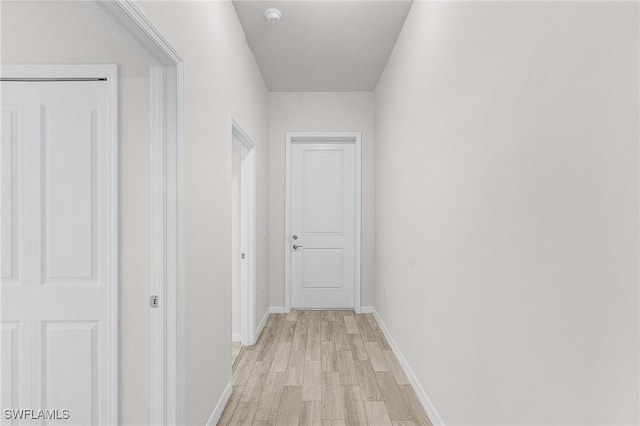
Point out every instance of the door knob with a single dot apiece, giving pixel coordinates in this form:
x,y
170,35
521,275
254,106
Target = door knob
x,y
296,247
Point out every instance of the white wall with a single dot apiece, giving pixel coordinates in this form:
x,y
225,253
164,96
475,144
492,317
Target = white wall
x,y
67,33
221,79
320,112
507,209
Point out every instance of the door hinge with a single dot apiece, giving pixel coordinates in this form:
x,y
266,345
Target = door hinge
x,y
153,301
243,255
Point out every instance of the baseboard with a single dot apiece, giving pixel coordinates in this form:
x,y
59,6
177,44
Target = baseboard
x,y
222,402
435,418
262,324
280,310
235,337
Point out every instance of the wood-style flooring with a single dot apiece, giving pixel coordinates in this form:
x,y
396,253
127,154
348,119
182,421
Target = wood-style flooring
x,y
324,368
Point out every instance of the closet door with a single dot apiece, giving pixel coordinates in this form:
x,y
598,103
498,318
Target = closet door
x,y
58,276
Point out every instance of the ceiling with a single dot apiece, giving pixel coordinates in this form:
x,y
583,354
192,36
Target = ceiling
x,y
322,45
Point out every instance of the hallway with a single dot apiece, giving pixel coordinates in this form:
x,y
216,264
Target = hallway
x,y
394,212
321,368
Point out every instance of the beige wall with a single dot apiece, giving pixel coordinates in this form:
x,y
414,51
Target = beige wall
x,y
221,79
320,112
67,33
507,209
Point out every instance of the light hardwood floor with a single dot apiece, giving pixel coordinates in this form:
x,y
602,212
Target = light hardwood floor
x,y
324,368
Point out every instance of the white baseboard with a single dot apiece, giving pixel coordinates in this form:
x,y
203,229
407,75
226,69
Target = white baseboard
x,y
280,310
235,337
417,387
222,402
262,324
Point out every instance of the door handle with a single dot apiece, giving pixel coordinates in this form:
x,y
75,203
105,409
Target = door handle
x,y
297,246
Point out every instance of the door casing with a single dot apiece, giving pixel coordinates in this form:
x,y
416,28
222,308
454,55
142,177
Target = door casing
x,y
324,137
247,234
168,363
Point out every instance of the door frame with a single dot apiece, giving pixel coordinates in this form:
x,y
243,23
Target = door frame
x,y
247,233
323,137
109,212
168,355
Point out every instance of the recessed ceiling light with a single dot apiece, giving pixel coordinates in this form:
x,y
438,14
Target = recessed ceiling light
x,y
273,15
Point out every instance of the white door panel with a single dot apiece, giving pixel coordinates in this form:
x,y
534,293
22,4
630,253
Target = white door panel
x,y
15,277
57,338
323,190
323,219
15,365
9,187
70,377
68,148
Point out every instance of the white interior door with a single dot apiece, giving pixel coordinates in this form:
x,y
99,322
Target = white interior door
x,y
58,272
322,240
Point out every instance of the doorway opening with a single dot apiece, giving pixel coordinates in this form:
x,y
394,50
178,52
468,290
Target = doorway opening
x,y
242,238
